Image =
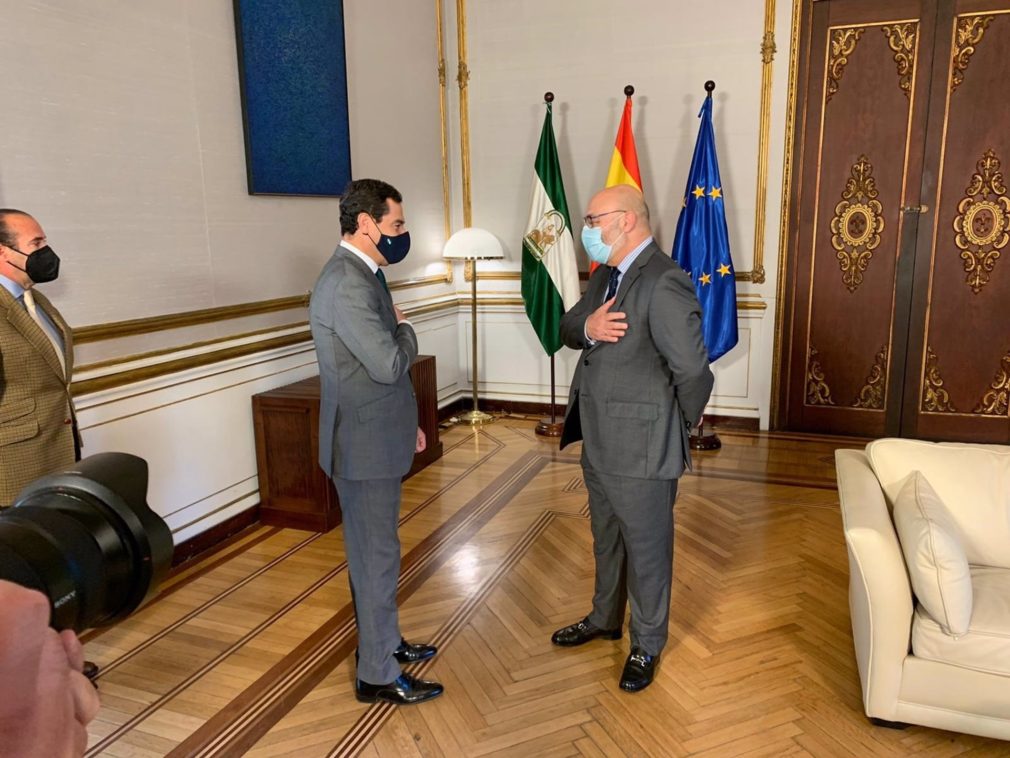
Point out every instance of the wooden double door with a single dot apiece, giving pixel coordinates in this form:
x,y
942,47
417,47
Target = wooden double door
x,y
897,290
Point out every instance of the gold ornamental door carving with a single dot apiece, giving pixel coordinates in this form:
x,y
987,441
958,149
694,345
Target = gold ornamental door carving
x,y
897,289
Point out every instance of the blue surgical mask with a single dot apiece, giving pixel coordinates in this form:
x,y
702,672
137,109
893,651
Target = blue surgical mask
x,y
596,248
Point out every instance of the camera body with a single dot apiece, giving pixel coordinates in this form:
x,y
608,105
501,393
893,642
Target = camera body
x,y
87,539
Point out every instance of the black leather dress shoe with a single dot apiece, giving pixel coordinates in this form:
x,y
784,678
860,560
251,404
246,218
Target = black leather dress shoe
x,y
581,633
406,690
412,653
639,670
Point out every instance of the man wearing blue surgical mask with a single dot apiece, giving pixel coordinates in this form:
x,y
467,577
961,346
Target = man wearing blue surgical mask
x,y
368,432
641,382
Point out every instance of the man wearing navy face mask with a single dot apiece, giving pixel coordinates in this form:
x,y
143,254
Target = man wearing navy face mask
x,y
368,431
38,429
643,380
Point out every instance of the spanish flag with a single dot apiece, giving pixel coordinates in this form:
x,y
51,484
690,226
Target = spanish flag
x,y
624,162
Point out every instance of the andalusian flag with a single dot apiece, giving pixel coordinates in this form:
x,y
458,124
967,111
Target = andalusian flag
x,y
550,278
624,161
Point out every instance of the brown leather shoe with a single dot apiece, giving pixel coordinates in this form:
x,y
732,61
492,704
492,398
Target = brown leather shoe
x,y
581,633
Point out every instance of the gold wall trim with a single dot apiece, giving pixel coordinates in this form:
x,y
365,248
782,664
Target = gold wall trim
x,y
131,376
133,327
787,186
422,281
442,110
179,348
768,49
463,79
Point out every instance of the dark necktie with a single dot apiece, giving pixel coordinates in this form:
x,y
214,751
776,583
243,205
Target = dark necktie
x,y
615,276
382,278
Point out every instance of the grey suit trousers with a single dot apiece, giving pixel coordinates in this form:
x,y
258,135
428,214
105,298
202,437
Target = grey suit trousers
x,y
371,511
632,523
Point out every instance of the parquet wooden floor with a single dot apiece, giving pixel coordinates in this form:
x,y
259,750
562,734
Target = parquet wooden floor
x,y
251,651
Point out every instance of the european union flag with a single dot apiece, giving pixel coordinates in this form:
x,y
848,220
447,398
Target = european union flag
x,y
701,246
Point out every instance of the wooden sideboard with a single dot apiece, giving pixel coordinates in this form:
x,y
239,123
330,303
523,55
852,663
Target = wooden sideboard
x,y
294,491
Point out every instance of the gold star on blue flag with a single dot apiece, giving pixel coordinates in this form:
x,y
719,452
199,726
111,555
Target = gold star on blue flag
x,y
702,242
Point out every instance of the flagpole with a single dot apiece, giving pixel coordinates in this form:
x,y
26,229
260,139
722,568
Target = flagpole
x,y
699,440
550,427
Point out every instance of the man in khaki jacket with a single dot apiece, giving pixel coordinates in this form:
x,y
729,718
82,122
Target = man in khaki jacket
x,y
38,430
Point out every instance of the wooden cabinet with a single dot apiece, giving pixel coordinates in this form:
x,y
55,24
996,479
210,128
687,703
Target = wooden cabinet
x,y
294,491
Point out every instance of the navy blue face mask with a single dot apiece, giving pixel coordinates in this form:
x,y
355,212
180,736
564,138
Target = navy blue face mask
x,y
394,249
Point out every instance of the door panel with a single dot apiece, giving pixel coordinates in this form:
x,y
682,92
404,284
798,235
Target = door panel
x,y
864,125
958,376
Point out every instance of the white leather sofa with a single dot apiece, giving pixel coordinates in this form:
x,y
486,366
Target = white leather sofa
x,y
939,657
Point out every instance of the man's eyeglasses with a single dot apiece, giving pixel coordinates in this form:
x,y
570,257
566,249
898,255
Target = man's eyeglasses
x,y
594,218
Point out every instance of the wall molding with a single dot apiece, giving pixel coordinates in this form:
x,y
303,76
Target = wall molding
x,y
118,372
183,319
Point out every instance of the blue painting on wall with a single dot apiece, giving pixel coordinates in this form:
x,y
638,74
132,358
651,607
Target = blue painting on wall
x,y
293,78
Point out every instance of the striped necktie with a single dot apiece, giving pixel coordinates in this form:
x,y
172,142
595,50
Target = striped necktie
x,y
29,300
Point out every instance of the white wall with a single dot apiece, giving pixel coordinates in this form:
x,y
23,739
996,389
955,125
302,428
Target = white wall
x,y
586,51
123,134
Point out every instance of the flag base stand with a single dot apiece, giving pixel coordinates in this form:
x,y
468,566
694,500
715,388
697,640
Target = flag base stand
x,y
701,441
705,442
547,427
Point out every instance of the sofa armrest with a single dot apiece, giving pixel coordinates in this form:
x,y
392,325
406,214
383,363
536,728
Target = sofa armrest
x,y
880,596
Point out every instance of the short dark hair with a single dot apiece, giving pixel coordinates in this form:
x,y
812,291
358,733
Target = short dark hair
x,y
365,196
7,238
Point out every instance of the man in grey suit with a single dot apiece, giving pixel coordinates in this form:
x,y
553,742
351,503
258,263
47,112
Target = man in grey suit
x,y
642,381
368,431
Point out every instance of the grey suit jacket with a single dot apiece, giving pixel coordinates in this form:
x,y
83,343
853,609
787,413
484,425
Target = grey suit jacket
x,y
633,401
368,414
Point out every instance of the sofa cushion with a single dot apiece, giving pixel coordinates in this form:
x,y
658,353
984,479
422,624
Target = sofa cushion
x,y
986,644
973,481
936,563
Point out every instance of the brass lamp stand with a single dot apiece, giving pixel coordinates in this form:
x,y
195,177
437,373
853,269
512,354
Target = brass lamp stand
x,y
472,244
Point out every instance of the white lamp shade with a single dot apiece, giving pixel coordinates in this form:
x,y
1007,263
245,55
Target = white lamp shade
x,y
473,244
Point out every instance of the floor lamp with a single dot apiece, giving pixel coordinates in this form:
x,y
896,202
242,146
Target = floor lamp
x,y
473,245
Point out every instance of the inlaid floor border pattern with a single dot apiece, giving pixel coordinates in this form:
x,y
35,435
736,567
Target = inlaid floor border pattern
x,y
497,554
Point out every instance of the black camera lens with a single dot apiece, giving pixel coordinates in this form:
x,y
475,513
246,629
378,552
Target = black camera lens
x,y
87,539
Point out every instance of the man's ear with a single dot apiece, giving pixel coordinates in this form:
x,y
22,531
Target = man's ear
x,y
362,219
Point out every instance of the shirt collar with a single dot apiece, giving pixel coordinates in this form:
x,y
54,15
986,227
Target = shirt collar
x,y
368,261
11,286
624,265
